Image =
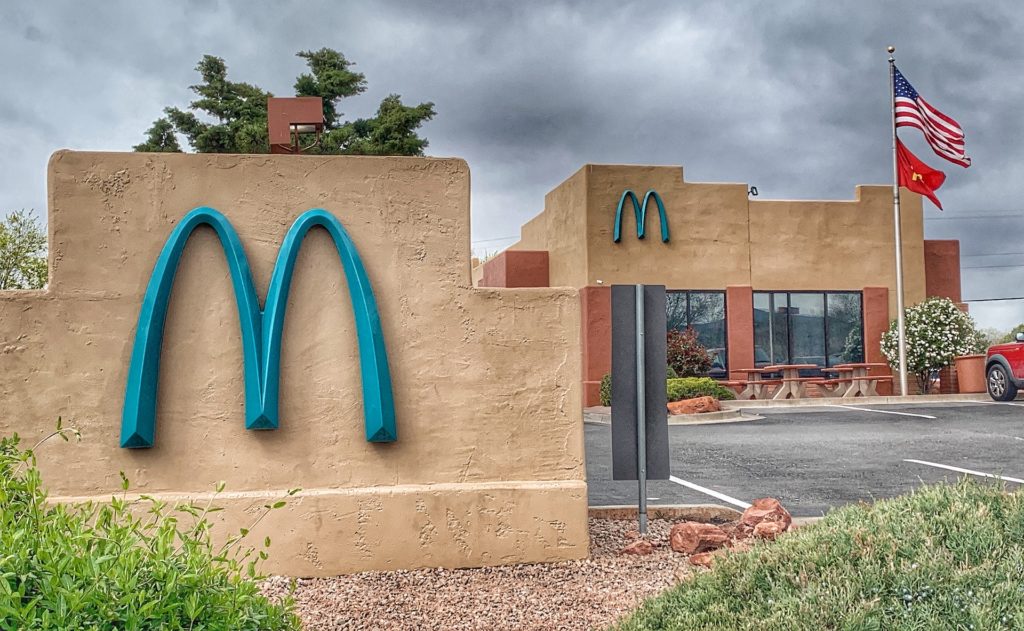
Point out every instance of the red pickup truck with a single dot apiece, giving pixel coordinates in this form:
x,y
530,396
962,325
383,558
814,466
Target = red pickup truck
x,y
1004,369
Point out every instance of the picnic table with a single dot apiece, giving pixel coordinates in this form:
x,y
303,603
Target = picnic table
x,y
859,382
755,386
792,384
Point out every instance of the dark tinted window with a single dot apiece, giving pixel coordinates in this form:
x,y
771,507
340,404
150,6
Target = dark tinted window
x,y
704,311
845,332
821,328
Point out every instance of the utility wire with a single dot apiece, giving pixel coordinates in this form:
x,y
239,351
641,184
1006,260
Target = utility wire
x,y
990,266
972,217
515,236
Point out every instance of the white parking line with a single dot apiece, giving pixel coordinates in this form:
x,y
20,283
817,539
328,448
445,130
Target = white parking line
x,y
968,471
850,407
715,494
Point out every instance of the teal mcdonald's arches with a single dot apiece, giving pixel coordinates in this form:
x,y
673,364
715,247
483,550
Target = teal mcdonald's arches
x,y
261,329
640,212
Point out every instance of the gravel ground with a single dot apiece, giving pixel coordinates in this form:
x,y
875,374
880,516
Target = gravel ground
x,y
588,594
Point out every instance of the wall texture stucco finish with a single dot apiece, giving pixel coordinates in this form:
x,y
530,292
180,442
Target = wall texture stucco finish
x,y
840,245
488,467
561,230
721,238
707,248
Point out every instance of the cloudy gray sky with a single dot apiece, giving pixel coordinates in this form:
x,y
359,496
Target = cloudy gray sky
x,y
789,96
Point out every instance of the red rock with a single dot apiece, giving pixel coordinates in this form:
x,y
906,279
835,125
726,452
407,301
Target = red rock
x,y
639,547
632,534
691,537
694,406
769,530
703,559
766,509
736,530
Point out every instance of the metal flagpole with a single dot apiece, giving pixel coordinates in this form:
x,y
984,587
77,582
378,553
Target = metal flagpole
x,y
900,321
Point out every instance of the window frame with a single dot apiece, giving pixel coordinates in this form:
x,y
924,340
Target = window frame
x,y
824,293
725,317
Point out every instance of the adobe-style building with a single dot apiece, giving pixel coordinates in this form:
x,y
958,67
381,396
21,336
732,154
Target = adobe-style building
x,y
761,281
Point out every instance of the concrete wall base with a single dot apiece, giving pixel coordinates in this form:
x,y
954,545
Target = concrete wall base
x,y
401,527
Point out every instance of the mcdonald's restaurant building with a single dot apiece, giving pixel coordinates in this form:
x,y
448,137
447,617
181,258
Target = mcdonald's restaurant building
x,y
761,281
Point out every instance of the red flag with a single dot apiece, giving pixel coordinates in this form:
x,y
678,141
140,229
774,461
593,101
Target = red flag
x,y
917,176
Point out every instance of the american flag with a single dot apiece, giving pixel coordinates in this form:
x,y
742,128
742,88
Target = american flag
x,y
942,132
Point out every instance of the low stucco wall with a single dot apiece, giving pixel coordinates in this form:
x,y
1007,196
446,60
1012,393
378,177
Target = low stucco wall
x,y
488,467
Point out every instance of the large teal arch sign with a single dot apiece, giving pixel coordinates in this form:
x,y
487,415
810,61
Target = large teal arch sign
x,y
261,329
640,212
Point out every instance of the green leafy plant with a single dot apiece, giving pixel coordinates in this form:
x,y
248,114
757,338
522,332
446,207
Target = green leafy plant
x,y
693,387
606,390
1010,336
606,385
22,252
942,557
686,356
231,117
127,564
937,331
853,346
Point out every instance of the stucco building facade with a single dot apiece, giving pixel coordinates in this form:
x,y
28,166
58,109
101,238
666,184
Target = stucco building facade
x,y
761,281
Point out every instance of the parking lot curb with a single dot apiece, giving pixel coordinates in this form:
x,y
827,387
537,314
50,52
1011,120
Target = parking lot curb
x,y
705,513
881,400
602,416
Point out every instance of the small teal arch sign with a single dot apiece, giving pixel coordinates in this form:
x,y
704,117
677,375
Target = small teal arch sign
x,y
640,212
261,328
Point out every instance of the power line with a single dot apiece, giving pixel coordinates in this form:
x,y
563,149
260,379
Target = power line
x,y
973,217
994,254
990,266
515,236
994,299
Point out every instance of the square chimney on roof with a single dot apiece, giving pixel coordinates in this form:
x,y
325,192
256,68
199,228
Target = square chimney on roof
x,y
288,117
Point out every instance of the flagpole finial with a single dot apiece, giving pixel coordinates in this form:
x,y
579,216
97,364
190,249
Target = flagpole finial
x,y
891,49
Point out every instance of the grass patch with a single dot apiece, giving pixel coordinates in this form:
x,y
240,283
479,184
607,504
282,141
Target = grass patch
x,y
942,557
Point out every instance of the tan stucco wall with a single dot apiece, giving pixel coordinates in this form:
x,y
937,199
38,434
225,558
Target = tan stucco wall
x,y
720,238
707,248
838,244
489,463
561,230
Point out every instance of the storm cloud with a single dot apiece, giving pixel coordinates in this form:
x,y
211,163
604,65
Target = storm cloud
x,y
791,97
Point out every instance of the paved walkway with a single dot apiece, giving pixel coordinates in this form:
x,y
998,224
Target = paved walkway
x,y
814,458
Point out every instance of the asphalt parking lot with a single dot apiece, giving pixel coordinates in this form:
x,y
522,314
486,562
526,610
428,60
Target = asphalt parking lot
x,y
816,458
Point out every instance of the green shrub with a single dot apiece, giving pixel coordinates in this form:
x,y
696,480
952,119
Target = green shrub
x,y
693,387
686,355
678,388
936,332
606,386
98,566
606,390
942,557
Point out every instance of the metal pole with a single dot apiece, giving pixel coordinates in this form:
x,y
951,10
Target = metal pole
x,y
900,320
641,412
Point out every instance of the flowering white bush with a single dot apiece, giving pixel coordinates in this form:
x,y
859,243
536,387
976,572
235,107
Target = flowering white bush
x,y
937,331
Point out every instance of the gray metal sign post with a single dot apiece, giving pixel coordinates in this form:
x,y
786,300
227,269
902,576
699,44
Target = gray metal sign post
x,y
639,414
